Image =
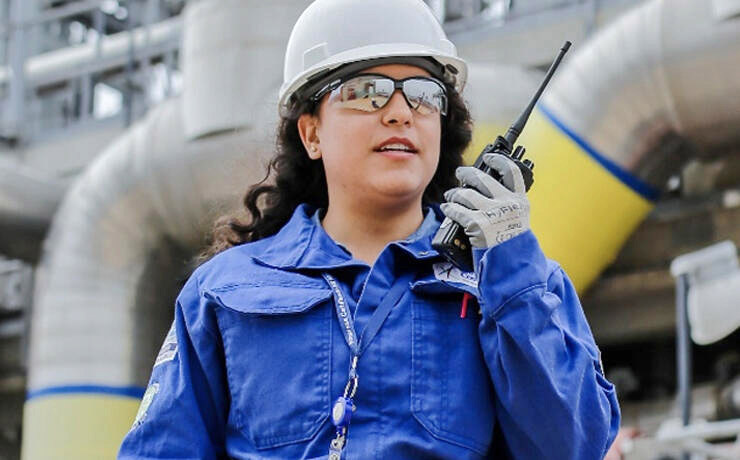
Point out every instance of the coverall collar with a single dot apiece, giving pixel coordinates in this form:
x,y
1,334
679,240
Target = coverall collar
x,y
302,243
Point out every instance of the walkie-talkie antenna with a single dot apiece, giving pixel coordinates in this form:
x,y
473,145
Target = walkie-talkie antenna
x,y
513,133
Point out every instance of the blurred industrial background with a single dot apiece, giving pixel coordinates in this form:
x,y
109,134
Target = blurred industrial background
x,y
128,126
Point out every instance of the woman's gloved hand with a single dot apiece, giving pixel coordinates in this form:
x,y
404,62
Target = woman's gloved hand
x,y
490,212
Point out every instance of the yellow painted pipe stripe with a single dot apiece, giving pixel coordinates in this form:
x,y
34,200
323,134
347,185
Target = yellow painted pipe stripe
x,y
581,213
80,427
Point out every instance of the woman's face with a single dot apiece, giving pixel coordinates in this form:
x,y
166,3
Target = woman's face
x,y
348,141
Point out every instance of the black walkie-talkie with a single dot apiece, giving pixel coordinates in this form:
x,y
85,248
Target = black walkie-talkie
x,y
451,240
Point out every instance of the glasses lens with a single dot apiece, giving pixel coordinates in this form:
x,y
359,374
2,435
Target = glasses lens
x,y
371,92
425,96
365,92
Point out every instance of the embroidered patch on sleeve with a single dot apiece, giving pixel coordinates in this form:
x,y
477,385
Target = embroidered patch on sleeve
x,y
169,348
445,271
146,401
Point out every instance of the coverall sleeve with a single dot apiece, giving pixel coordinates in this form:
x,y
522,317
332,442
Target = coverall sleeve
x,y
184,410
552,399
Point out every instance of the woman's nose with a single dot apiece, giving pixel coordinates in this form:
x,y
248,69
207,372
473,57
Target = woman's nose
x,y
397,110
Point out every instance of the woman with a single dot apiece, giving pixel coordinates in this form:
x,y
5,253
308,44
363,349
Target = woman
x,y
329,326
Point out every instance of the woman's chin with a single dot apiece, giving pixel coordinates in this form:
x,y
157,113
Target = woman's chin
x,y
398,191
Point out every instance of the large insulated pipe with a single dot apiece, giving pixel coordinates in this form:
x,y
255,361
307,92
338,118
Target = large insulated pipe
x,y
109,270
28,199
631,106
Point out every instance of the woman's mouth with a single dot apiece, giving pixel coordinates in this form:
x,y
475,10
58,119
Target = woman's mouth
x,y
396,151
397,147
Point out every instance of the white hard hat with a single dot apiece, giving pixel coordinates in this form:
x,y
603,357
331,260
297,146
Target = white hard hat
x,y
332,33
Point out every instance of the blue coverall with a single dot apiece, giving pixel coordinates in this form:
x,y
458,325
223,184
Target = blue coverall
x,y
256,357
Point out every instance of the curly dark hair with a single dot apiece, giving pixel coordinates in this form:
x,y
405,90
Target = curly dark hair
x,y
299,179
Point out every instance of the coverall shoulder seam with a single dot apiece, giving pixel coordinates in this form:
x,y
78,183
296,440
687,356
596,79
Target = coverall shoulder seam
x,y
201,296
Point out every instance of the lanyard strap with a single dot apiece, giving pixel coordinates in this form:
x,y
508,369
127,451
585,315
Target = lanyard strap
x,y
358,346
343,408
344,316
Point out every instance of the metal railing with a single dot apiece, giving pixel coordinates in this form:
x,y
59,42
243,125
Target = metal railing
x,y
55,57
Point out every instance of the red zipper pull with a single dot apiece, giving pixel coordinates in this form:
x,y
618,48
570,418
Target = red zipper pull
x,y
464,309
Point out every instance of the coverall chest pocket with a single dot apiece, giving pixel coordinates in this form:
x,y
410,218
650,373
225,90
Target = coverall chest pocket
x,y
451,391
277,350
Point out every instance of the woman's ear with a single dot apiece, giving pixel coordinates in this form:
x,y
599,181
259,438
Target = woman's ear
x,y
308,125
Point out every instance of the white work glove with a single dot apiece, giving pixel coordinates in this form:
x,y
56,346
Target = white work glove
x,y
490,212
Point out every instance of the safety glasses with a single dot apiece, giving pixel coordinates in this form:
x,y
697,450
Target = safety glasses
x,y
370,92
